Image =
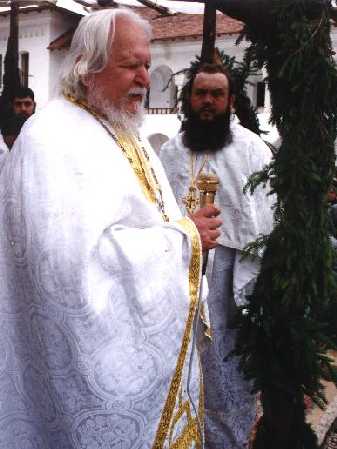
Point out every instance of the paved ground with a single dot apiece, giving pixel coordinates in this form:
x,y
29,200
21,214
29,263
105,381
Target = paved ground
x,y
324,422
330,441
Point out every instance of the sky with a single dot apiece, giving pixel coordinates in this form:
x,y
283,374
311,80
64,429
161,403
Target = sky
x,y
175,6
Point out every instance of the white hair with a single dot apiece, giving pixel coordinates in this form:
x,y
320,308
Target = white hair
x,y
91,46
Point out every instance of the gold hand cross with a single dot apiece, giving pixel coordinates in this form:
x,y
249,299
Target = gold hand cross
x,y
191,200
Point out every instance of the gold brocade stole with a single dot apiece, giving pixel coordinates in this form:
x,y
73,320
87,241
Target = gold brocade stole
x,y
139,160
175,406
135,153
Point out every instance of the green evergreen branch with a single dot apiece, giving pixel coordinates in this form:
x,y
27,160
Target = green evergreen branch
x,y
289,324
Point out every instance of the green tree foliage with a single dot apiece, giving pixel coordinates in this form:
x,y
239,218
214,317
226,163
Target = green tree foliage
x,y
290,322
240,72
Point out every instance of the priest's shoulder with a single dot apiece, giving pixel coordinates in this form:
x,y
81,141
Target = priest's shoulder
x,y
58,112
171,146
58,123
248,139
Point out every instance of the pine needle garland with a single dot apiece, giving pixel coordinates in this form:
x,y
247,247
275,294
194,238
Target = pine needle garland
x,y
290,323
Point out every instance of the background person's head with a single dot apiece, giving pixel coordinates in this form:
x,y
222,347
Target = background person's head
x,y
108,63
11,128
209,76
207,100
23,102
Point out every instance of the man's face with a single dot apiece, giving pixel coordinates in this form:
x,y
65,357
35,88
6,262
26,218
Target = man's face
x,y
24,106
125,79
210,95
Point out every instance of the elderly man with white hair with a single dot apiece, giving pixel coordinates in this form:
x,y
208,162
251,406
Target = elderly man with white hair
x,y
99,272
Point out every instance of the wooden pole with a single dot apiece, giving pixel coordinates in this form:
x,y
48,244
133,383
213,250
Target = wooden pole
x,y
209,32
11,74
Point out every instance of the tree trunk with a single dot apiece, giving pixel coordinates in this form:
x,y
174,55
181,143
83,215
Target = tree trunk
x,y
11,76
209,31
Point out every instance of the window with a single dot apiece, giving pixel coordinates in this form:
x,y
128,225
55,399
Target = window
x,y
260,94
24,68
1,72
163,90
147,99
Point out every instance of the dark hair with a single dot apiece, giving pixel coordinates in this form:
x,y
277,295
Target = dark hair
x,y
191,75
12,125
23,92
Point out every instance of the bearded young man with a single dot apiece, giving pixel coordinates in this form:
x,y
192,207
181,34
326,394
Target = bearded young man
x,y
99,272
212,143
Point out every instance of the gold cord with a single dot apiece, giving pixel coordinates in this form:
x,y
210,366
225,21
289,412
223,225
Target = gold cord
x,y
193,165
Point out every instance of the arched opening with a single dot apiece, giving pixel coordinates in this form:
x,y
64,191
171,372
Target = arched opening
x,y
157,140
163,91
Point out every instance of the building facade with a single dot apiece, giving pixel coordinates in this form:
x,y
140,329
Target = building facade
x,y
37,28
45,34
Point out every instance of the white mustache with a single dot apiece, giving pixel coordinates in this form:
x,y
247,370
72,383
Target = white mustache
x,y
137,91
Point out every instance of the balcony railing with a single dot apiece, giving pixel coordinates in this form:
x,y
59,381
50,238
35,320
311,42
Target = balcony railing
x,y
161,110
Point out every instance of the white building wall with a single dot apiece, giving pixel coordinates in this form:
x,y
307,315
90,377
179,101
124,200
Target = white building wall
x,y
33,38
177,55
59,23
36,31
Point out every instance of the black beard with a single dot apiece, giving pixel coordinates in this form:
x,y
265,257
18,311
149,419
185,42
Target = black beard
x,y
202,135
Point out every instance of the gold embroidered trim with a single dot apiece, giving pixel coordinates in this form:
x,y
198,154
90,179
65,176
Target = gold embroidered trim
x,y
135,153
195,273
183,409
189,435
207,328
130,148
194,282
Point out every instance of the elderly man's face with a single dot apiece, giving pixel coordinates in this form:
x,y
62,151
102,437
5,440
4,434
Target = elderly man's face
x,y
125,79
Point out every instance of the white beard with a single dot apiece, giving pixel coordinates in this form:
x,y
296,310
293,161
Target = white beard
x,y
131,121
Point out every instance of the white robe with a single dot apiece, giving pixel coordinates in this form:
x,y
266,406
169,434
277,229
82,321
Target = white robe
x,y
230,409
3,146
97,295
244,216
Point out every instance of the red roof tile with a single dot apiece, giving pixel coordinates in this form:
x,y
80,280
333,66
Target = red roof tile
x,y
62,41
185,26
170,27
